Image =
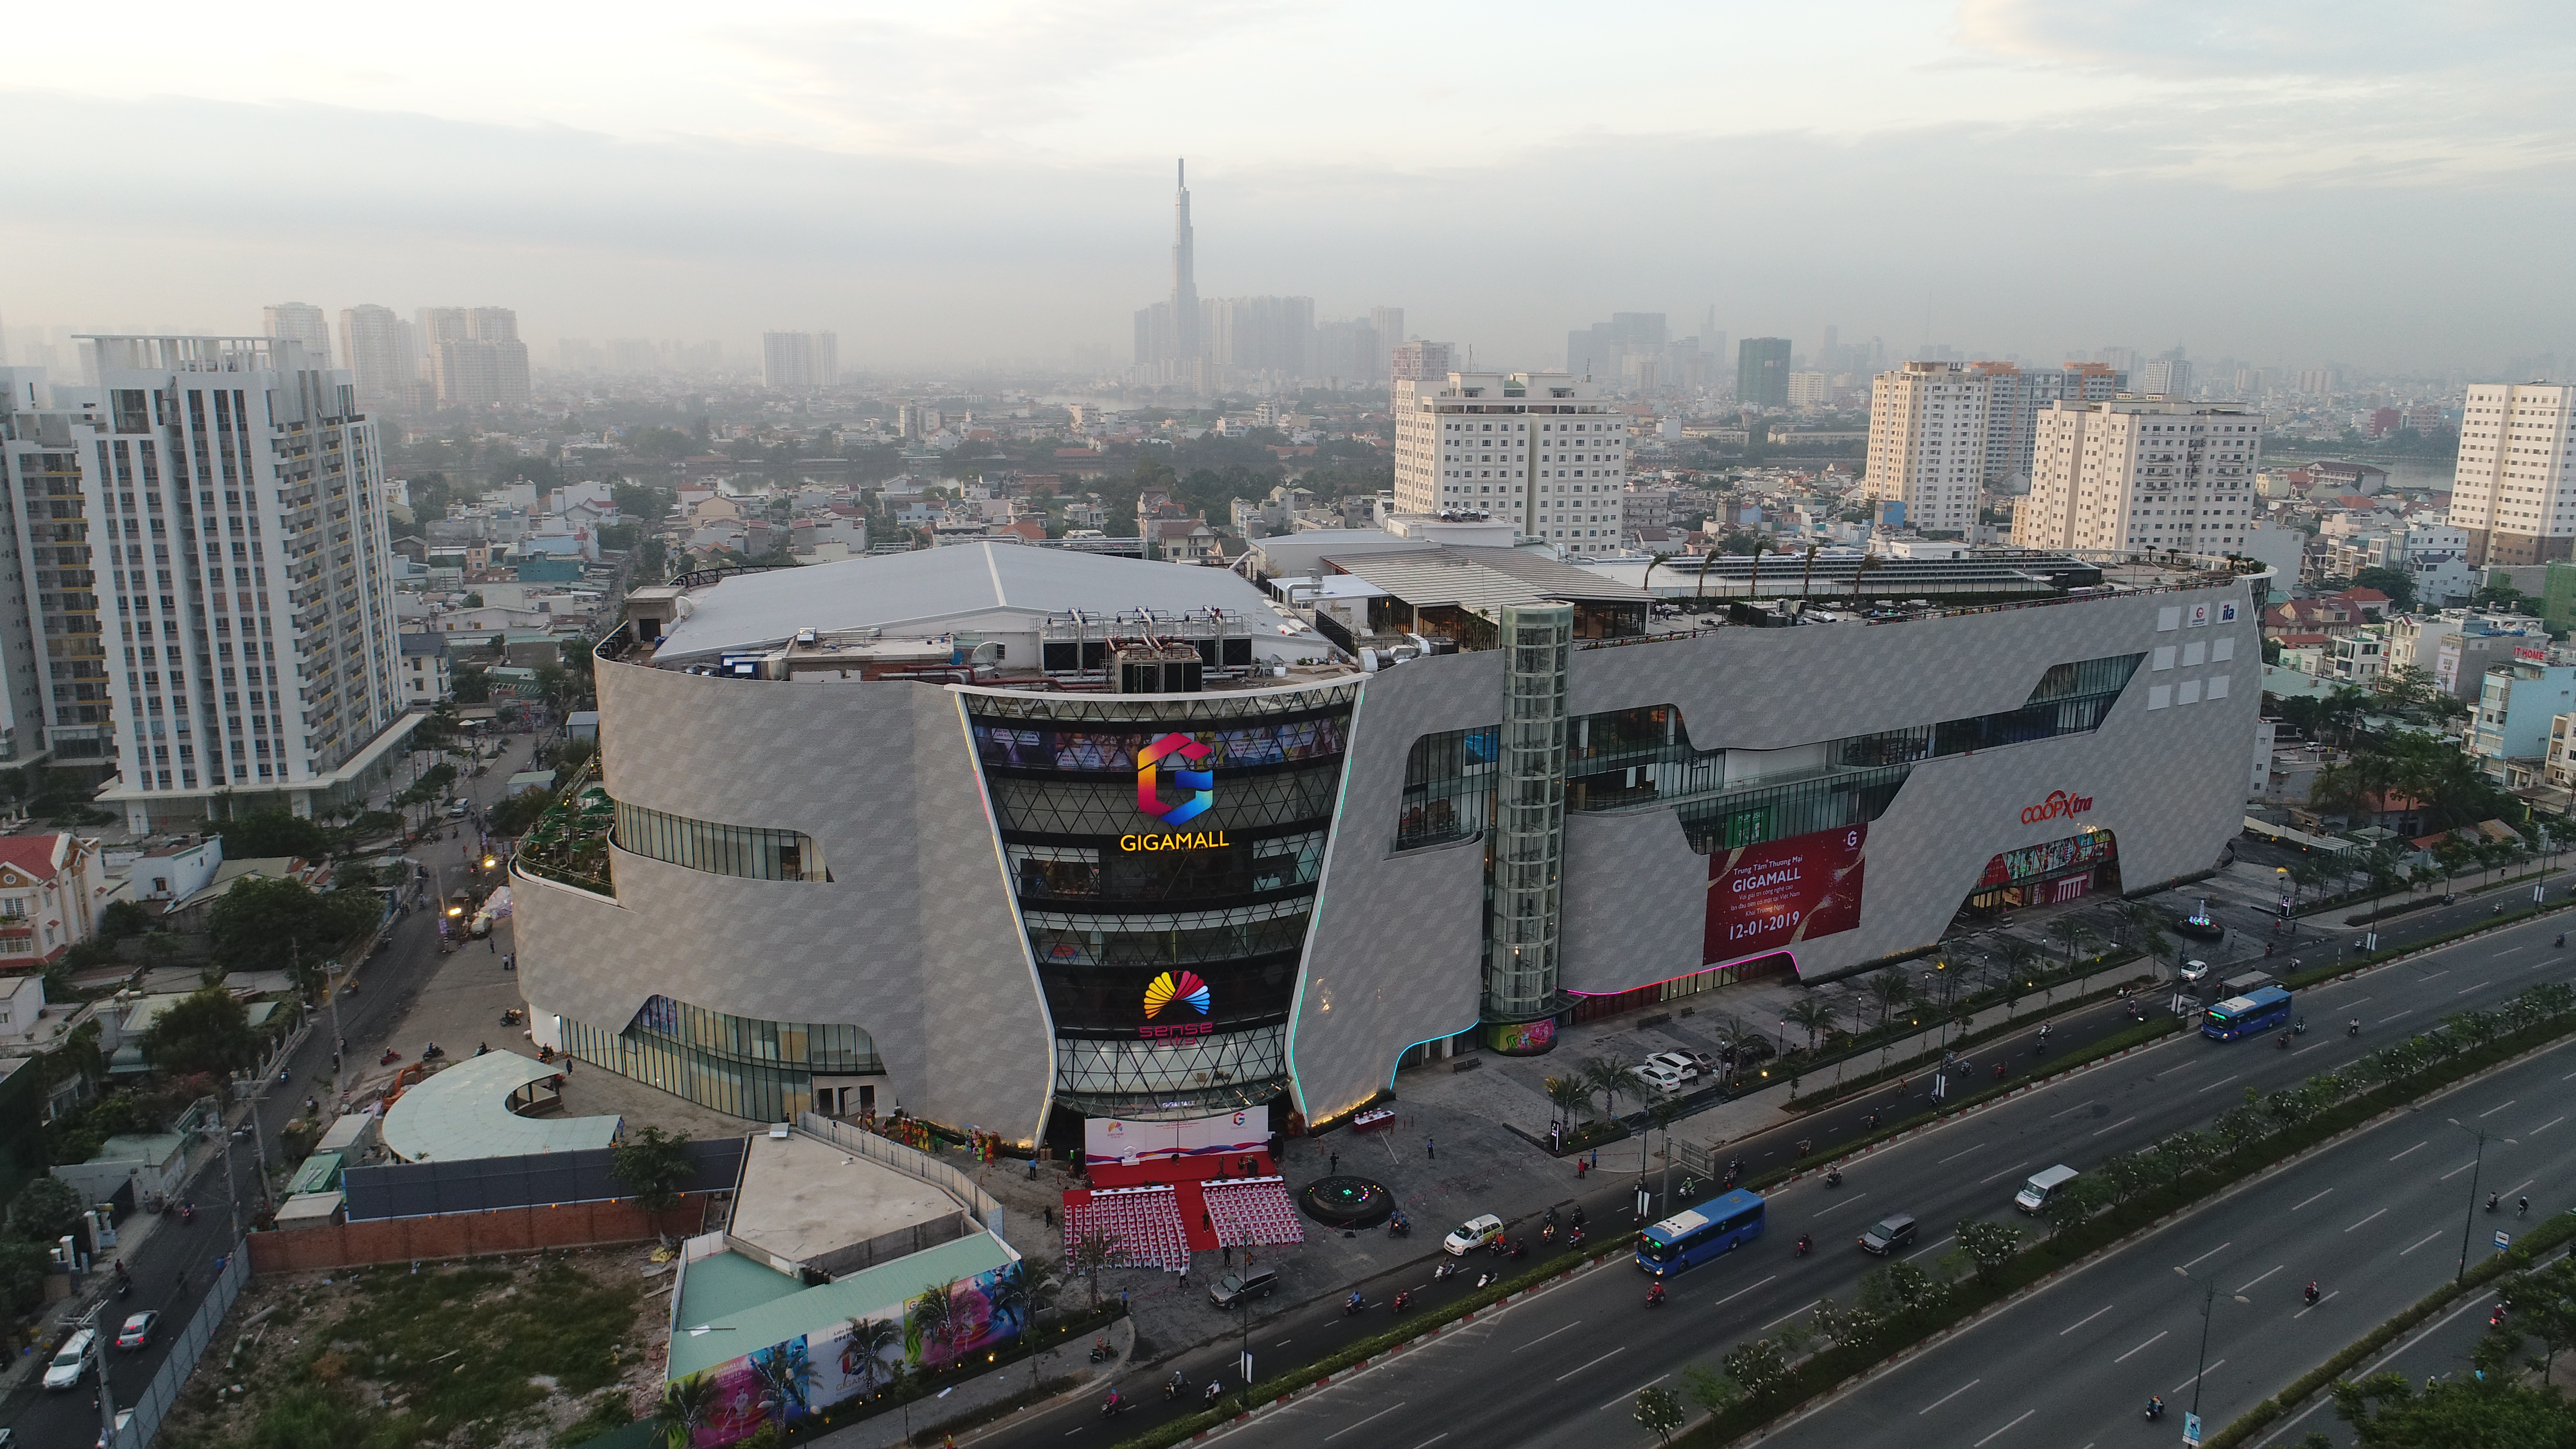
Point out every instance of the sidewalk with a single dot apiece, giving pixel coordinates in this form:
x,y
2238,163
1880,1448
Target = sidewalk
x,y
1072,1358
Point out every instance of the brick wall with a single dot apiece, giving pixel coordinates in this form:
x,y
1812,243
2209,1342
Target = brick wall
x,y
468,1235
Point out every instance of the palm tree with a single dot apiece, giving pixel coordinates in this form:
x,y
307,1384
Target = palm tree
x,y
1707,556
2016,954
934,1316
1807,578
1892,990
684,1408
786,1377
1753,588
1645,584
1089,1251
1813,1013
869,1340
1571,1094
1610,1075
2071,931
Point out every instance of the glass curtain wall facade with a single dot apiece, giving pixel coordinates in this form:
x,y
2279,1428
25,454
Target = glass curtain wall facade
x,y
749,851
1528,843
1165,916
763,1070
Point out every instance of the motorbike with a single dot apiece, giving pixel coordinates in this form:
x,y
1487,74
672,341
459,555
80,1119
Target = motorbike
x,y
2311,1295
512,1017
389,1058
432,1052
1175,1386
2299,1027
1834,1178
2282,1041
1112,1407
2496,1319
1353,1304
1443,1271
124,1286
1655,1295
1403,1300
2155,1410
1519,1249
187,1212
1574,1239
2561,942
1806,1245
2492,1200
1399,1226
2352,1027
1214,1388
1099,1349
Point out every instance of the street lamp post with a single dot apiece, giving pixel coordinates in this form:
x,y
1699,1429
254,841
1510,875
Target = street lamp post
x,y
2477,1164
2208,1302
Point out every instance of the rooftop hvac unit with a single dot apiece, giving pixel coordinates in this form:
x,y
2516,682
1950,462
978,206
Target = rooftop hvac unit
x,y
1158,669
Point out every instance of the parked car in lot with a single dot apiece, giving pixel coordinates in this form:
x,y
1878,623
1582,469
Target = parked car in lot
x,y
1661,1076
71,1361
137,1330
1474,1234
1688,1064
1235,1288
1888,1234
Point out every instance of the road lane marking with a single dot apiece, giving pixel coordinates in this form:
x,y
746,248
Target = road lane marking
x,y
2212,1253
2133,1353
2419,1242
2026,1413
1962,1152
1443,1434
2311,1308
2078,1107
1785,1317
1935,1247
2429,975
2007,1172
2186,1383
2410,1149
2296,1206
2465,990
2116,1126
1371,1419
2087,1318
1945,1398
2456,1171
2312,1046
1283,1343
2259,1277
1740,1292
1626,1398
2221,1082
2491,1111
1846,1202
1544,1337
1561,1378
2545,1126
2385,1020
2507,951
2374,1217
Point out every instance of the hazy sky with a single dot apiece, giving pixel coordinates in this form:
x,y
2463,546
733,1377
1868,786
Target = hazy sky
x,y
2372,181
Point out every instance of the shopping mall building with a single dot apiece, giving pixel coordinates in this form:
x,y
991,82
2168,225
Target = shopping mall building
x,y
1013,837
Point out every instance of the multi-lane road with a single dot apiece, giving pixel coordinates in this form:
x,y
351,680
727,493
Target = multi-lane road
x,y
174,1268
1564,1367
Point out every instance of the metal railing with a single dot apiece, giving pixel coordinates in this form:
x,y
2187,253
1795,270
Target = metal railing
x,y
986,1209
186,1347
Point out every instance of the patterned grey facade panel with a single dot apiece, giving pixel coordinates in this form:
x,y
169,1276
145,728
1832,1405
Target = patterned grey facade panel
x,y
1394,958
913,938
1775,688
2166,781
1636,900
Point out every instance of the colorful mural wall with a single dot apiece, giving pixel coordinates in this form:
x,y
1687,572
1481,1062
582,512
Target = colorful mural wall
x,y
844,1362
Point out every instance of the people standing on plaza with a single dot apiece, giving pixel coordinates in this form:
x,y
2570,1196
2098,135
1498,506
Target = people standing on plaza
x,y
1429,1149
1333,1162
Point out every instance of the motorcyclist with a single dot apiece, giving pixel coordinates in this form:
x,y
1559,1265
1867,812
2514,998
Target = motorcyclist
x,y
1179,1382
1111,1405
2492,1199
2522,1207
2312,1291
1655,1291
2155,1406
1353,1303
1403,1299
2352,1027
1806,1244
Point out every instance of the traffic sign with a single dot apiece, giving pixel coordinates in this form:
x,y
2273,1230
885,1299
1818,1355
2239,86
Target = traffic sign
x,y
2191,1429
2504,1240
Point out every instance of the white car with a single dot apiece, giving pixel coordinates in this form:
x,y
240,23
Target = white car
x,y
1686,1063
71,1362
1474,1234
2194,971
1661,1076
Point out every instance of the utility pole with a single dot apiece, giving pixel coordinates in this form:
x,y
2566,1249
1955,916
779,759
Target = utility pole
x,y
106,1390
2477,1165
232,1194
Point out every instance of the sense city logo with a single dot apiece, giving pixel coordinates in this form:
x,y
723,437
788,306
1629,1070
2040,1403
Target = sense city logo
x,y
2058,805
1175,991
1149,769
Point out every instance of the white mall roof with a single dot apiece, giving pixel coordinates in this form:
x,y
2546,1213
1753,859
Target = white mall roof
x,y
927,590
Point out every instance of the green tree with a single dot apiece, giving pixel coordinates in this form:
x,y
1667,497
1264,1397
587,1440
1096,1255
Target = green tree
x,y
1571,1095
265,924
2397,584
1760,1369
45,1209
1610,1074
23,1266
2388,1412
1089,1251
124,918
272,833
1660,1411
1710,1389
205,1031
654,1165
1892,990
1987,1246
1813,1013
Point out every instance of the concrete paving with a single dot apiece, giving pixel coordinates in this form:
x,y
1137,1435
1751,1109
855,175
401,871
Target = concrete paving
x,y
802,1197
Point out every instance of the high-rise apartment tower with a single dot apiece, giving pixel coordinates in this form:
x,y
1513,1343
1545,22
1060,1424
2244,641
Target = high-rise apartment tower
x,y
300,322
2141,475
1542,451
2510,492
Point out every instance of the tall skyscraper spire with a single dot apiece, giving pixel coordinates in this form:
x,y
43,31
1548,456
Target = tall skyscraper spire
x,y
1185,286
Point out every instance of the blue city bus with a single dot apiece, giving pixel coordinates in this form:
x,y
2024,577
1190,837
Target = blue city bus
x,y
2256,1011
1695,1235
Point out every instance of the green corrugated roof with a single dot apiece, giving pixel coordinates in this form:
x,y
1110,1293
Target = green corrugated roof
x,y
870,1292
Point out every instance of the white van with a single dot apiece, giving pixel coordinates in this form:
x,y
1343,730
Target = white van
x,y
2034,1193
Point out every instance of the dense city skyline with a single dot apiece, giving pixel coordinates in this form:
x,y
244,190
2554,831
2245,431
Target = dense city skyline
x,y
991,187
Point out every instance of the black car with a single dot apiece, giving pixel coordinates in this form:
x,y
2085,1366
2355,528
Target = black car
x,y
1889,1234
1236,1288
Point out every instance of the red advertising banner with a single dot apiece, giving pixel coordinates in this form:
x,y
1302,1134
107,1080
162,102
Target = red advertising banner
x,y
1782,892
